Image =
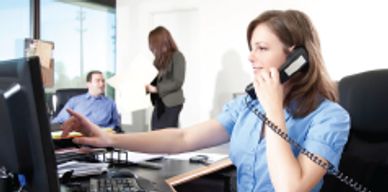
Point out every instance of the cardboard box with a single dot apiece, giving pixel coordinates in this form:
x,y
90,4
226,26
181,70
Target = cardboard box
x,y
43,49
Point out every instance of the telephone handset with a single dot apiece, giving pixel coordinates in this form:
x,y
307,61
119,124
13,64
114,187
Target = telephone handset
x,y
296,61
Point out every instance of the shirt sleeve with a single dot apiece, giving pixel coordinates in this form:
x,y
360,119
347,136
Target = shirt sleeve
x,y
63,115
115,116
176,76
329,133
230,113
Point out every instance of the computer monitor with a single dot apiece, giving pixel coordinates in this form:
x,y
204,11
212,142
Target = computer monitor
x,y
26,147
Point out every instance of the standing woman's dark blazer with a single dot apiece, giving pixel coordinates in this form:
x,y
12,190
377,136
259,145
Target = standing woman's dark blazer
x,y
169,82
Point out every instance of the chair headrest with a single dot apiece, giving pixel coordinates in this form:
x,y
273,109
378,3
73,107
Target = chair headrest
x,y
70,92
365,97
63,95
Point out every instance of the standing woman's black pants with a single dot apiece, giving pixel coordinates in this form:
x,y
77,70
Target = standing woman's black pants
x,y
169,117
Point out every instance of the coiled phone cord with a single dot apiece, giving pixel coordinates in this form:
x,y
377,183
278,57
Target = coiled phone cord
x,y
326,165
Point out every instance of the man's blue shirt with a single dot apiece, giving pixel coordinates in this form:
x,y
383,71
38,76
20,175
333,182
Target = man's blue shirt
x,y
323,132
98,109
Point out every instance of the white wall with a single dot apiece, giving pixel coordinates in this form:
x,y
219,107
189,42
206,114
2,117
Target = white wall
x,y
212,36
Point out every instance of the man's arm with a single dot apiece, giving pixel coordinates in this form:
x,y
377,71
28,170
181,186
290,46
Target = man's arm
x,y
63,115
116,123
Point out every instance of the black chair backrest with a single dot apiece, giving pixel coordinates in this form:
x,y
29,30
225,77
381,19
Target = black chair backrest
x,y
365,157
63,95
365,97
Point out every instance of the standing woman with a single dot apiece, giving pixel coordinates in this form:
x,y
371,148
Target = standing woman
x,y
166,88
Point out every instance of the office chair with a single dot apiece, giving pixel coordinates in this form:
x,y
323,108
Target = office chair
x,y
365,157
61,96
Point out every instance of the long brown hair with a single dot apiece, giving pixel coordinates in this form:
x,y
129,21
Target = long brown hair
x,y
162,45
308,88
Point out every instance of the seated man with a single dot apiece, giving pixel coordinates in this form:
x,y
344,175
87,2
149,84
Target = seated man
x,y
98,108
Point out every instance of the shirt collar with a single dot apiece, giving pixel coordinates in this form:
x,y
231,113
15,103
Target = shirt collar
x,y
259,107
88,96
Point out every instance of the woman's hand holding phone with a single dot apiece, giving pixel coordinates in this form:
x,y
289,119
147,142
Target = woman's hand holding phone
x,y
269,90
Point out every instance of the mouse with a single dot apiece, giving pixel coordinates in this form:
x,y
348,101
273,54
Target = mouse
x,y
121,173
199,159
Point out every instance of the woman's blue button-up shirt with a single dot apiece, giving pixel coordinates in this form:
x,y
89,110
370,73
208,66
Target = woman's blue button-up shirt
x,y
324,132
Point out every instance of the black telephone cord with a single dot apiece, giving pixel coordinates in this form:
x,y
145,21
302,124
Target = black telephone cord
x,y
326,165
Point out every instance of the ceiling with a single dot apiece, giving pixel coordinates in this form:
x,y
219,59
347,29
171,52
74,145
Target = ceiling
x,y
107,5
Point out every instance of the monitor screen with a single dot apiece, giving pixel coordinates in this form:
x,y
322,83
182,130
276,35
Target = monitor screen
x,y
25,140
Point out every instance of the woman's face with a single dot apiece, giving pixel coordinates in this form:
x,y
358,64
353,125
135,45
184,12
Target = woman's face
x,y
267,50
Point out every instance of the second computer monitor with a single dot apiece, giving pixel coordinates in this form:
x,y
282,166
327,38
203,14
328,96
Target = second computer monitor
x,y
26,139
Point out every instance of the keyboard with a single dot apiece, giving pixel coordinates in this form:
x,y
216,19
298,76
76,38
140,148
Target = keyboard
x,y
115,185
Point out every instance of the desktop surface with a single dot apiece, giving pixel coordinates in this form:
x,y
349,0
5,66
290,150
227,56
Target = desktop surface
x,y
156,177
141,184
152,179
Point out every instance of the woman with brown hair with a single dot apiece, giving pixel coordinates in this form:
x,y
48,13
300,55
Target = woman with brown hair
x,y
287,138
166,88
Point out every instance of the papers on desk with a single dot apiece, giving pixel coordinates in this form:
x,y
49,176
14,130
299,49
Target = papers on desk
x,y
82,168
213,157
58,133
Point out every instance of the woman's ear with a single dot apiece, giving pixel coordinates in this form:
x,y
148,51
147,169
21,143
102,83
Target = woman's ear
x,y
290,49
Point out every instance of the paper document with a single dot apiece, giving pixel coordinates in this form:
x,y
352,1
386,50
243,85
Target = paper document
x,y
213,157
82,168
58,134
129,156
129,82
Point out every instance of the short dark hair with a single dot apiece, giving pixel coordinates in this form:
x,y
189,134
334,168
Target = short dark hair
x,y
90,74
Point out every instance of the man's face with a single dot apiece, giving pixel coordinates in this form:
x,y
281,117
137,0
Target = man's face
x,y
97,85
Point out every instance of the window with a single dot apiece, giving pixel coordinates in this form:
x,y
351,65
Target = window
x,y
84,40
15,30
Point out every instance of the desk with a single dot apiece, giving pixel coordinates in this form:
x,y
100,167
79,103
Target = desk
x,y
178,180
176,172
